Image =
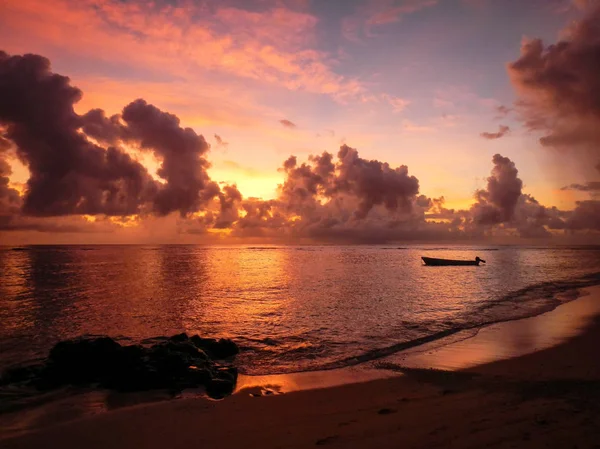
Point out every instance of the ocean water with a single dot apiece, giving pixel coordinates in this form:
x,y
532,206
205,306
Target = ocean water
x,y
289,308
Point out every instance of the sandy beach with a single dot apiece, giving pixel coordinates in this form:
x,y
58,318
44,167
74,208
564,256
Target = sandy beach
x,y
527,383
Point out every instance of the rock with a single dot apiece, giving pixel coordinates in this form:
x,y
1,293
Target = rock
x,y
83,360
21,374
179,337
196,376
217,349
229,373
172,363
219,388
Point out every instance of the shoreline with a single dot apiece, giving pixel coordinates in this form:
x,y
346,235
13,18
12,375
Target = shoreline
x,y
342,415
475,346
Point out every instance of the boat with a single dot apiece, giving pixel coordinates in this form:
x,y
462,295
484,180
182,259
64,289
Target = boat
x,y
432,261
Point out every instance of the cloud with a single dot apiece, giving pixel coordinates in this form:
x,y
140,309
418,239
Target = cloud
x,y
398,104
288,124
83,179
374,183
383,12
353,200
336,198
188,186
502,131
220,142
250,42
10,200
559,90
586,216
372,14
592,186
496,204
503,207
69,174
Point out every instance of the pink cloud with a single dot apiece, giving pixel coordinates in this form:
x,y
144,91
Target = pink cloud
x,y
288,124
502,131
375,13
386,11
275,46
398,104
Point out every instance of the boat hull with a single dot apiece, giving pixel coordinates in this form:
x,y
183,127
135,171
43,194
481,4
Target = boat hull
x,y
431,261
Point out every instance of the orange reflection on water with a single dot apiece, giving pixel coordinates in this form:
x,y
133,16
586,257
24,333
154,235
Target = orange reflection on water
x,y
286,383
249,285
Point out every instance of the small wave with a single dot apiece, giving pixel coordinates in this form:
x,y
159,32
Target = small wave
x,y
546,290
454,248
389,350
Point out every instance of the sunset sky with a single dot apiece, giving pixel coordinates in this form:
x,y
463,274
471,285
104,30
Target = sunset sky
x,y
439,86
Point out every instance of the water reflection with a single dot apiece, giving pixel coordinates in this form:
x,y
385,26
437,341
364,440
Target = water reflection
x,y
291,308
246,288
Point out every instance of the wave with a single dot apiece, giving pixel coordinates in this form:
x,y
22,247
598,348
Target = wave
x,y
455,248
545,290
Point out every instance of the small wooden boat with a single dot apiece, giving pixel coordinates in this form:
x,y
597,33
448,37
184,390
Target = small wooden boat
x,y
449,262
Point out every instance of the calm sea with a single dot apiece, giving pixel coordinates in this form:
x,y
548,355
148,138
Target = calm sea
x,y
289,308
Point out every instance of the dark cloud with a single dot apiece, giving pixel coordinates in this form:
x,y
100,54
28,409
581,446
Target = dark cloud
x,y
229,201
559,88
375,183
359,183
188,187
502,131
347,198
586,216
533,220
68,174
10,200
305,183
80,165
71,174
182,153
288,124
496,204
107,130
592,186
220,142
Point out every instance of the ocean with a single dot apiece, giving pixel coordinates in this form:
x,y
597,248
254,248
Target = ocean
x,y
289,308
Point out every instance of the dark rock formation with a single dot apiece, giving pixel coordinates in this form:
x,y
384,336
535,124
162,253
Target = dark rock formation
x,y
173,363
217,349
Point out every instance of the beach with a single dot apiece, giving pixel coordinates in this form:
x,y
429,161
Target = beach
x,y
545,397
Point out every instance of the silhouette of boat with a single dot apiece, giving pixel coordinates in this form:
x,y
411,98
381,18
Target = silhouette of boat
x,y
432,261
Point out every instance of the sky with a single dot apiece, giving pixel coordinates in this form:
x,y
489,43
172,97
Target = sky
x,y
299,121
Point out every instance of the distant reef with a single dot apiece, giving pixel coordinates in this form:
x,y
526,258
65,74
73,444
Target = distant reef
x,y
173,363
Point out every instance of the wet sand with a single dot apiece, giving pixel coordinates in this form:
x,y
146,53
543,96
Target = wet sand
x,y
546,398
